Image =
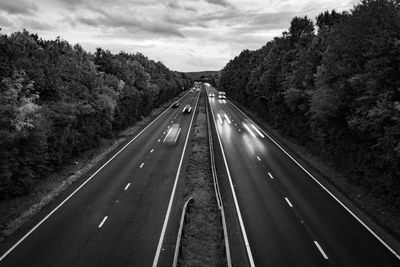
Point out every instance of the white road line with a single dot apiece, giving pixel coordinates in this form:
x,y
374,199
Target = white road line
x,y
243,230
161,240
103,221
239,130
151,151
77,189
127,186
141,165
270,175
290,204
329,192
321,250
258,158
158,140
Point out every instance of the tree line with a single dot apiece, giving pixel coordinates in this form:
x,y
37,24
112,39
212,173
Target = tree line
x,y
57,101
335,88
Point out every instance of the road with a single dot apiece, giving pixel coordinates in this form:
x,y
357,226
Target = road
x,y
121,214
277,214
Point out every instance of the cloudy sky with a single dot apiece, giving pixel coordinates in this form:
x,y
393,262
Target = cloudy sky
x,y
186,35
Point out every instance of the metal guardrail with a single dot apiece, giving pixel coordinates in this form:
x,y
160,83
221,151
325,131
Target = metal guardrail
x,y
217,191
179,238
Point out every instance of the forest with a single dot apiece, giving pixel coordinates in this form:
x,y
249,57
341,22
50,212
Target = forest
x,y
333,85
57,101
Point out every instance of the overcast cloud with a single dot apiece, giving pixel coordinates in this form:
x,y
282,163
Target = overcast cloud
x,y
186,35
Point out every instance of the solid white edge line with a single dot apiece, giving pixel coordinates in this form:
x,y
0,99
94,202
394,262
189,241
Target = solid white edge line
x,y
244,235
164,228
127,186
103,221
270,175
77,189
323,187
321,250
288,201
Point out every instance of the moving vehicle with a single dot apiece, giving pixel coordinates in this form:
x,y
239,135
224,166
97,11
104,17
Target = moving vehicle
x,y
187,109
221,95
172,134
211,95
175,104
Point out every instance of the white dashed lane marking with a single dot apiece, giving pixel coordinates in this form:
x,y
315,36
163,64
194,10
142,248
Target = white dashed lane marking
x,y
103,221
127,186
288,201
321,250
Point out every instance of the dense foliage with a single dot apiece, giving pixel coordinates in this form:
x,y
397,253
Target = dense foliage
x,y
335,90
57,101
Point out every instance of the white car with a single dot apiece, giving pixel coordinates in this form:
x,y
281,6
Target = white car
x,y
172,134
187,109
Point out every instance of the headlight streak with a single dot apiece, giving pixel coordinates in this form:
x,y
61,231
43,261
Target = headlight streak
x,y
248,129
219,119
227,119
258,131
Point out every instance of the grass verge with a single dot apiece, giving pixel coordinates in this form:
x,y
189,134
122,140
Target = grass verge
x,y
202,240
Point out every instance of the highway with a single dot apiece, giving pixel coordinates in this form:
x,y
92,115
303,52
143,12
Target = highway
x,y
124,213
277,214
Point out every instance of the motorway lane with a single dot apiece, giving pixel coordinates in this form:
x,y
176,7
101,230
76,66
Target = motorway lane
x,y
132,190
282,232
271,227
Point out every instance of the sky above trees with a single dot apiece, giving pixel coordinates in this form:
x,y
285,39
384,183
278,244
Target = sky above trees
x,y
186,35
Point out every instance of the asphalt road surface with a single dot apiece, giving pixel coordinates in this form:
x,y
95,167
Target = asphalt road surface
x,y
277,214
121,214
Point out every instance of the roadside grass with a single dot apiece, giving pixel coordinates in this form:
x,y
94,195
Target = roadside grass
x,y
15,212
202,238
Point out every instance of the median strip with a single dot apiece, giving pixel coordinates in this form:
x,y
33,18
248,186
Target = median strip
x,y
202,235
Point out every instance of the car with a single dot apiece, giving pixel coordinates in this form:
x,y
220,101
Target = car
x,y
198,90
172,134
175,104
211,95
187,109
221,95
